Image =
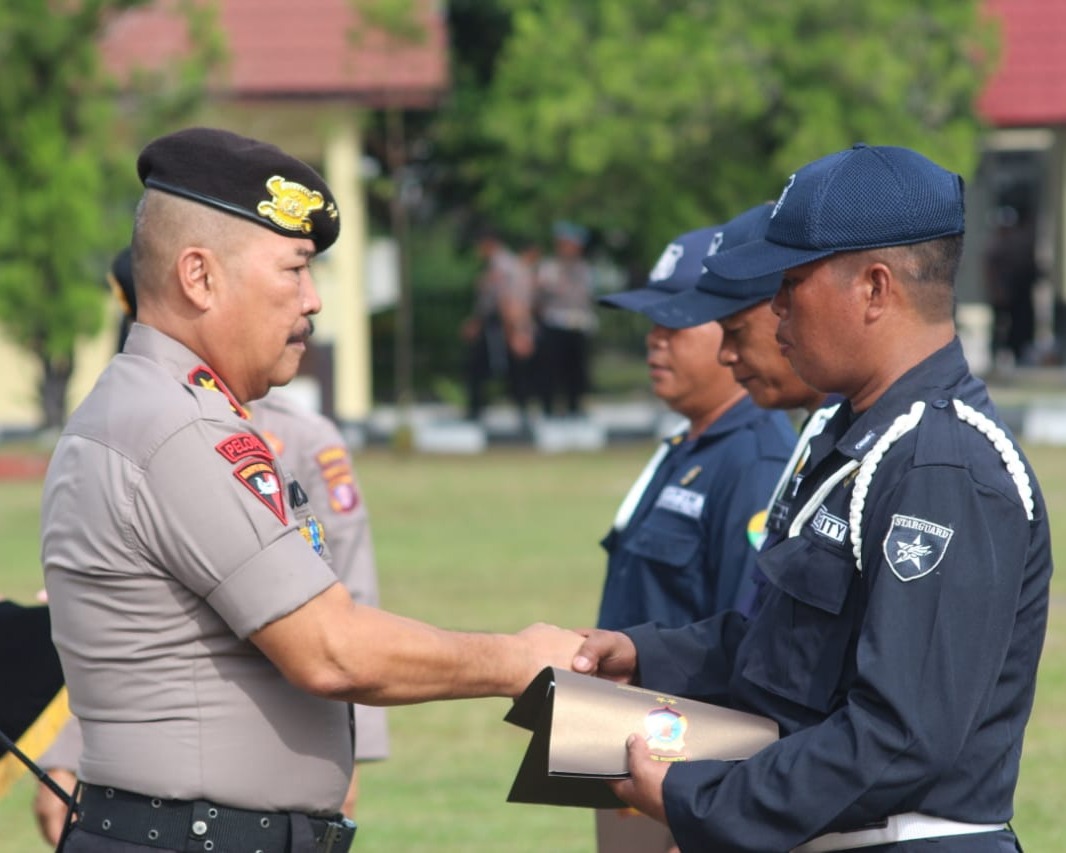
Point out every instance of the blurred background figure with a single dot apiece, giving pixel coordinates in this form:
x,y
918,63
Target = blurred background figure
x,y
567,319
1011,273
499,332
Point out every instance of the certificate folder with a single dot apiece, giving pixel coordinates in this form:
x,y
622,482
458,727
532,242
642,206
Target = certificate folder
x,y
580,725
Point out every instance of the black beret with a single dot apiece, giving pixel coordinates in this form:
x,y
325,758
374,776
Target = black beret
x,y
245,177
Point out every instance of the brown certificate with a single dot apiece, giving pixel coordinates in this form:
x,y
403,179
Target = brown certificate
x,y
580,725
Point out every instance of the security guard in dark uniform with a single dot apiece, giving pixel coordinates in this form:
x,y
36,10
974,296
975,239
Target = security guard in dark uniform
x,y
684,541
679,549
898,643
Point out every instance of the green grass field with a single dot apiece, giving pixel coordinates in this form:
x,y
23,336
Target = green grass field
x,y
495,542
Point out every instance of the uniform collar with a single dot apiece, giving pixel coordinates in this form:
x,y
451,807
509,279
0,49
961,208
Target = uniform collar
x,y
933,378
178,360
739,415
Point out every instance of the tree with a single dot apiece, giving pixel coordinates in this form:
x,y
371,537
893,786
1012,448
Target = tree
x,y
652,117
66,146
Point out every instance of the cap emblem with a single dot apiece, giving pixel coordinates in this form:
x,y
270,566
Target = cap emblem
x,y
291,205
784,192
667,263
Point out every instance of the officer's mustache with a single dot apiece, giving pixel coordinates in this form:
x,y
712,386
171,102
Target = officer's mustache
x,y
302,336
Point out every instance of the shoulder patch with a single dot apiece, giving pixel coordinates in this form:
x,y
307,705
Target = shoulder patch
x,y
914,546
340,482
262,480
241,445
757,529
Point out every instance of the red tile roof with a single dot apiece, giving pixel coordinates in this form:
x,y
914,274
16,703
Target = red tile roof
x,y
286,48
1029,86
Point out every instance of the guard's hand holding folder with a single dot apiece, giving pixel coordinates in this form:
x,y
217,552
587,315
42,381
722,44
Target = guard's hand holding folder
x,y
580,725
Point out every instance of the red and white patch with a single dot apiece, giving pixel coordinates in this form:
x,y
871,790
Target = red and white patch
x,y
262,481
241,445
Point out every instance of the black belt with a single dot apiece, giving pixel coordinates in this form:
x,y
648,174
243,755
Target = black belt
x,y
197,825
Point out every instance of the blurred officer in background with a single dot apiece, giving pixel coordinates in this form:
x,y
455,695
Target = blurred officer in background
x,y
898,640
567,320
679,548
210,651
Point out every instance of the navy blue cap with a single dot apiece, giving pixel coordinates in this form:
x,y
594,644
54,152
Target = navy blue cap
x,y
862,198
678,269
714,297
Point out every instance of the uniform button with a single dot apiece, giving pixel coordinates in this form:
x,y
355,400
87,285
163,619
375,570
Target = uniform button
x,y
199,827
940,404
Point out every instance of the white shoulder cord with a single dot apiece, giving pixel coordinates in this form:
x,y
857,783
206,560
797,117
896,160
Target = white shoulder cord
x,y
902,425
636,491
814,426
1008,453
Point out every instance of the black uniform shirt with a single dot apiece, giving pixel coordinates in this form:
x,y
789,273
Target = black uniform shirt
x,y
901,681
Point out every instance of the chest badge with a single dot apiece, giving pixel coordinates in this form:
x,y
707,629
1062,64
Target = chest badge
x,y
691,475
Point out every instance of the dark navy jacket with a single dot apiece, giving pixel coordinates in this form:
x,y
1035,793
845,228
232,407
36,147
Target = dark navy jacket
x,y
685,553
904,685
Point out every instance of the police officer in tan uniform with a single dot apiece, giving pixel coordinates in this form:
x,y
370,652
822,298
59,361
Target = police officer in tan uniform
x,y
310,446
209,649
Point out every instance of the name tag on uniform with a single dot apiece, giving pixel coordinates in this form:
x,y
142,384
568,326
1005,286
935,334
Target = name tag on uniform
x,y
828,525
683,501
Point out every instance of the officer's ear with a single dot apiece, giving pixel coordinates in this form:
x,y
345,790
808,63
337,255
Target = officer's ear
x,y
195,268
879,288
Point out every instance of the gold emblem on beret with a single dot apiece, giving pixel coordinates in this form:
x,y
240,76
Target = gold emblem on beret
x,y
290,205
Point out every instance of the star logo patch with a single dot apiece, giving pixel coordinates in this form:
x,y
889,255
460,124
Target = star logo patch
x,y
914,546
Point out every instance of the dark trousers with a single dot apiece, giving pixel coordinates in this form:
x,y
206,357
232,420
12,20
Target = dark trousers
x,y
488,358
563,355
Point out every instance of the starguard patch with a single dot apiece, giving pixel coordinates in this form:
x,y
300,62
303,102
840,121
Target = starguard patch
x,y
262,481
829,526
914,546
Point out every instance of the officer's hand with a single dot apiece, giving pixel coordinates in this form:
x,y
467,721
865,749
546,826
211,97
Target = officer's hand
x,y
49,810
643,790
608,654
546,645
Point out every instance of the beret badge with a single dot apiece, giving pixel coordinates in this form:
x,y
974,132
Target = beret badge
x,y
291,205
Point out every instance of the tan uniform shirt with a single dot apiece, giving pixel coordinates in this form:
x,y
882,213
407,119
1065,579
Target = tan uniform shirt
x,y
311,448
169,536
